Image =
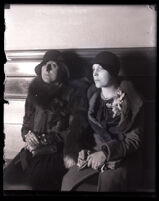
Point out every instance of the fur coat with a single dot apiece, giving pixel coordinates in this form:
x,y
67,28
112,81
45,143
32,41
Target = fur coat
x,y
51,112
58,111
124,155
130,126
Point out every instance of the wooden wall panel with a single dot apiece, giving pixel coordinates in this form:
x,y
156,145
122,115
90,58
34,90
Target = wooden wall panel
x,y
138,64
137,61
16,87
13,140
14,112
25,68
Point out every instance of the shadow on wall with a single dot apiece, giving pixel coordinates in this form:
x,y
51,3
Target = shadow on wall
x,y
137,67
78,66
141,70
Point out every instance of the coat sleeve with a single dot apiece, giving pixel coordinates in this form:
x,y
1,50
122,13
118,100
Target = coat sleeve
x,y
131,142
28,117
79,136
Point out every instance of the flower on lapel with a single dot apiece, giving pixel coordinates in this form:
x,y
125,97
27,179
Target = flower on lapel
x,y
117,103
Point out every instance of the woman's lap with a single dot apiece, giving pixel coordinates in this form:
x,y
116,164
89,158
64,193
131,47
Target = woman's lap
x,y
109,180
75,177
113,180
43,172
46,172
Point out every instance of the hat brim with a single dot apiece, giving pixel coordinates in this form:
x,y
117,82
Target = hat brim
x,y
38,68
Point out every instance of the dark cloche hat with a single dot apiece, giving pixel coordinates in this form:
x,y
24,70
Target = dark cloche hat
x,y
50,55
108,61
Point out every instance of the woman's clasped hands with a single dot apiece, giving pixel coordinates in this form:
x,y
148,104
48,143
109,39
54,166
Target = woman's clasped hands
x,y
94,160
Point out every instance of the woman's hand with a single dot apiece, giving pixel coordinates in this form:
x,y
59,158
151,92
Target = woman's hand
x,y
31,141
96,160
82,158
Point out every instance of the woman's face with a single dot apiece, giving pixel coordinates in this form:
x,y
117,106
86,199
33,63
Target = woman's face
x,y
102,77
49,72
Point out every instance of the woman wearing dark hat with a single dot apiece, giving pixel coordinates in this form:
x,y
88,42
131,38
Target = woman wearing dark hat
x,y
115,116
50,112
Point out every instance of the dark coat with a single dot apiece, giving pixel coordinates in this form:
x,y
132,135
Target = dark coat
x,y
52,111
47,109
130,126
126,147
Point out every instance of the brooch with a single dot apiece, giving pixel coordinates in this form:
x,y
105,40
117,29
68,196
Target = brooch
x,y
117,103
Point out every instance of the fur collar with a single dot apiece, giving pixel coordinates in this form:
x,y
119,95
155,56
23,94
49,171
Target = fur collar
x,y
43,93
132,102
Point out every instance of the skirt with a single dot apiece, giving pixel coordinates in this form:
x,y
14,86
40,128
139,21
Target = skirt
x,y
41,172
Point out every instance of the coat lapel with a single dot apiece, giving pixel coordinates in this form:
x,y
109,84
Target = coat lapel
x,y
133,102
91,111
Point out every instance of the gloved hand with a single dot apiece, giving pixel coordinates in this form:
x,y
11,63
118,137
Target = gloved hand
x,y
96,160
82,158
31,141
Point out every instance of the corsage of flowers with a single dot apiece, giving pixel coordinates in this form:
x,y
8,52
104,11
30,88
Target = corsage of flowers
x,y
116,104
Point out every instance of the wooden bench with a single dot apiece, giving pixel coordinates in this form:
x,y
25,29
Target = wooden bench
x,y
139,64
